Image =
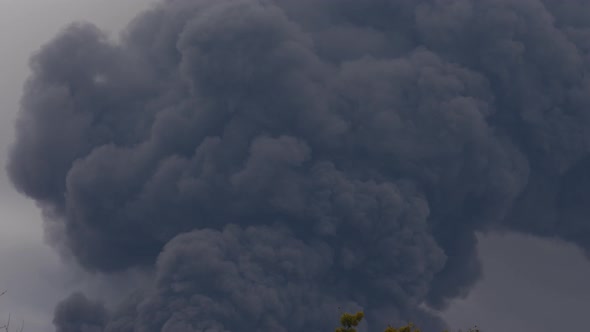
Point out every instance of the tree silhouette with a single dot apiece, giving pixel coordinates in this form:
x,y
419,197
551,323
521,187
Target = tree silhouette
x,y
349,322
6,326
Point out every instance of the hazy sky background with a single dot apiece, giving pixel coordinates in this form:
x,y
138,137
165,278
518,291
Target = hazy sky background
x,y
32,273
529,284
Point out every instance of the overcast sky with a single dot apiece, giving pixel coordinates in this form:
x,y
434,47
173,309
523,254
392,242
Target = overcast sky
x,y
32,272
529,284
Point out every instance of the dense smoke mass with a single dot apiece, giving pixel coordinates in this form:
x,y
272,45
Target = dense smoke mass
x,y
269,161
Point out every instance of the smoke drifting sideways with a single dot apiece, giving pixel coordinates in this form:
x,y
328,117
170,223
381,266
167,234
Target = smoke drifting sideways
x,y
268,161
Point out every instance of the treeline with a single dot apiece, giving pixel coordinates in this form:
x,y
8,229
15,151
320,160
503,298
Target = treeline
x,y
349,322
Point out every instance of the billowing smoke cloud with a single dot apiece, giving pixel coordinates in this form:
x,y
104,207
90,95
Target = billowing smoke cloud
x,y
78,314
272,160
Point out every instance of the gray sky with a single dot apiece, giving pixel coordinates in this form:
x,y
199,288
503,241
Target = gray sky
x,y
32,273
529,284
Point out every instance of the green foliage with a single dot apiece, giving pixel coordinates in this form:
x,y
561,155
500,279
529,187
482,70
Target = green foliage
x,y
407,328
348,323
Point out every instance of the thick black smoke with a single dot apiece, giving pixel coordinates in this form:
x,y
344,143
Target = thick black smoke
x,y
78,314
273,160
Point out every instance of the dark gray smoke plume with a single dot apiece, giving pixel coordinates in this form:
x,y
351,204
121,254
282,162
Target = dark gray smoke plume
x,y
78,314
269,161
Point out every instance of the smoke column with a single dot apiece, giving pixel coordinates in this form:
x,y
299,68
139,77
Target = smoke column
x,y
268,161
